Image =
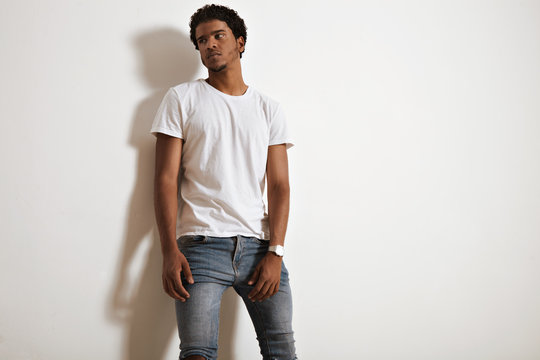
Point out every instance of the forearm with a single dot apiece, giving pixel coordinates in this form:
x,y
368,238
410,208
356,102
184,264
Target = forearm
x,y
166,207
278,213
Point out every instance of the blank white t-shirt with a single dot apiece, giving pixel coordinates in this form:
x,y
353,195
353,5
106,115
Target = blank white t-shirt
x,y
223,165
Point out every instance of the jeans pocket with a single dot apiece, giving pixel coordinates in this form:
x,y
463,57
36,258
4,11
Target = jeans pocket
x,y
191,240
261,241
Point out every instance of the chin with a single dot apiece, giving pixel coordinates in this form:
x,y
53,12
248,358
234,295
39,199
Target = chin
x,y
218,68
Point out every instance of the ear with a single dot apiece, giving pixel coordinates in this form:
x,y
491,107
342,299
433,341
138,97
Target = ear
x,y
240,43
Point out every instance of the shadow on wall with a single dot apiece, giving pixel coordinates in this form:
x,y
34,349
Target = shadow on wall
x,y
167,58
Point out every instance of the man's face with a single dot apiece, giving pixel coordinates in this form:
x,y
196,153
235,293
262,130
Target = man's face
x,y
217,45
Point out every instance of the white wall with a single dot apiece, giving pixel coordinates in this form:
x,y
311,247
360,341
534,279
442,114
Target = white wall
x,y
414,224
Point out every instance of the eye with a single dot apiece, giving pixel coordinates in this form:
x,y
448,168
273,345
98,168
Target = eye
x,y
219,36
201,41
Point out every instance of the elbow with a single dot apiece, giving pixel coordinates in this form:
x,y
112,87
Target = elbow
x,y
279,188
165,183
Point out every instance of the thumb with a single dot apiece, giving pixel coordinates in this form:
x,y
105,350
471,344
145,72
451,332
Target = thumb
x,y
255,276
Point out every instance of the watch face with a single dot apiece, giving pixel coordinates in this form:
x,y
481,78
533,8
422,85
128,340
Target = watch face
x,y
278,249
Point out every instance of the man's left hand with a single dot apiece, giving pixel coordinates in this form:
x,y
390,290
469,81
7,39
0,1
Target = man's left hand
x,y
266,277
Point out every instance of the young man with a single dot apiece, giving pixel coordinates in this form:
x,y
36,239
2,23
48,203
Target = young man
x,y
223,139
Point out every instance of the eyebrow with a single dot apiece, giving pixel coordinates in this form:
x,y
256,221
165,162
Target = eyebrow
x,y
212,33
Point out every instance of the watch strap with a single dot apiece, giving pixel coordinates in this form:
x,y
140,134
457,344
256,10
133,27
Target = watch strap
x,y
279,250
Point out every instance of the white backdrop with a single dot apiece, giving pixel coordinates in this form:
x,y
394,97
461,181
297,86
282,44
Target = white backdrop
x,y
415,199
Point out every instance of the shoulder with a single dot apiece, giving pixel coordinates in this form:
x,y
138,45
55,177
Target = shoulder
x,y
264,97
186,87
268,103
188,94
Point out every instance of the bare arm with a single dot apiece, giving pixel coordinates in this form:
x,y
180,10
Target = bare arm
x,y
267,274
277,175
168,157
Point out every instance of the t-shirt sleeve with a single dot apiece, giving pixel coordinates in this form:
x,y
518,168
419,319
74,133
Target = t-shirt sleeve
x,y
168,119
279,130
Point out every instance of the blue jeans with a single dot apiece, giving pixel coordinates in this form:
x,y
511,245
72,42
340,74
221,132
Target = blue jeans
x,y
217,263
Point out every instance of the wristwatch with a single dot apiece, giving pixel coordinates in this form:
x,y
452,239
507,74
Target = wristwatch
x,y
277,249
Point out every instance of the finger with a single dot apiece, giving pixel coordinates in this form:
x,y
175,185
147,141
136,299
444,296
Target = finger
x,y
172,291
255,291
254,277
179,287
264,291
271,292
187,272
167,289
276,287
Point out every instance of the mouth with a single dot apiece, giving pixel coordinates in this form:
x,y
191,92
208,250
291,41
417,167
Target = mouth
x,y
212,55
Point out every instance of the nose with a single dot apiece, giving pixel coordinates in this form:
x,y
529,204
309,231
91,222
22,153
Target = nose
x,y
211,43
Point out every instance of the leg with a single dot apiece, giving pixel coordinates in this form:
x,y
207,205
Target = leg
x,y
198,320
272,318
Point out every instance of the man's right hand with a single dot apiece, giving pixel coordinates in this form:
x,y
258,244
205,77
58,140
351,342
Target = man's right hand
x,y
173,264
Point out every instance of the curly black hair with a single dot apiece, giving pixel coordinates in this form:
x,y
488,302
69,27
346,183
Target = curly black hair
x,y
218,12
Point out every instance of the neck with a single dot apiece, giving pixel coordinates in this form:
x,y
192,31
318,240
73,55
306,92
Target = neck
x,y
228,80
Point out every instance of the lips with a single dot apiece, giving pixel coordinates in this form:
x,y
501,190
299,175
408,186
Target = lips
x,y
212,54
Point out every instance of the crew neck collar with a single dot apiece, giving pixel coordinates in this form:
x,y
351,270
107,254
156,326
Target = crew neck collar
x,y
244,95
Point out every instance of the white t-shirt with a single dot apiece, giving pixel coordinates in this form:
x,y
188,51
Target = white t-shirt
x,y
223,165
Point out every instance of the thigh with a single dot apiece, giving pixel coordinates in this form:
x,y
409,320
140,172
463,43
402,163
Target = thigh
x,y
198,319
272,318
209,258
210,263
